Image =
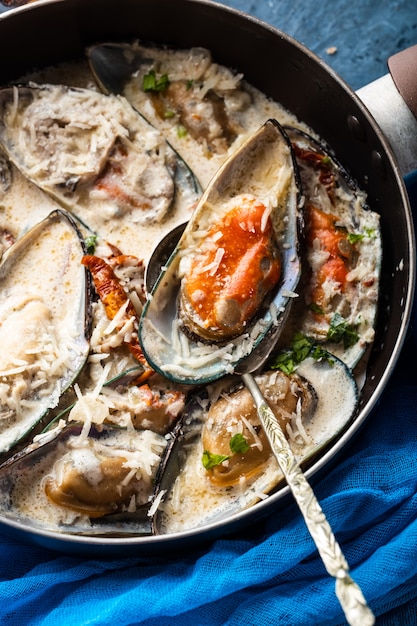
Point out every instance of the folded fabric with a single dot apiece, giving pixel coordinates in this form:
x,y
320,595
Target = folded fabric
x,y
269,573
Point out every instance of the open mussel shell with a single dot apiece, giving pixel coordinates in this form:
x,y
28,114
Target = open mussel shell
x,y
98,482
261,172
45,296
188,498
96,156
113,64
183,92
342,254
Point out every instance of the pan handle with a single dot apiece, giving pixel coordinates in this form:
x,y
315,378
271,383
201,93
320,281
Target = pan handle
x,y
403,69
392,100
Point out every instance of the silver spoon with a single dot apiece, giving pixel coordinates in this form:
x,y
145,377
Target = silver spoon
x,y
348,592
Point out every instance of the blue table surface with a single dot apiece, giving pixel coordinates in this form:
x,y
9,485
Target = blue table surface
x,y
355,38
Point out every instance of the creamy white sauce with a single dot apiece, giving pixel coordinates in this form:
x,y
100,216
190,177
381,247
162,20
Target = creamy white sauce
x,y
24,204
42,324
130,237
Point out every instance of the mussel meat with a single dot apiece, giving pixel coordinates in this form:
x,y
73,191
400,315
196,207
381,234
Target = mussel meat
x,y
94,480
96,155
184,87
234,268
343,250
203,108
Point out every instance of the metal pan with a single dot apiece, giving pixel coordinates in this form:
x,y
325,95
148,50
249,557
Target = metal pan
x,y
50,32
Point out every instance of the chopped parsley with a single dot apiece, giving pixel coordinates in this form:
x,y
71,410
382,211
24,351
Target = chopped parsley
x,y
315,308
355,237
210,460
340,330
285,362
238,445
152,83
90,244
181,131
190,84
301,348
169,114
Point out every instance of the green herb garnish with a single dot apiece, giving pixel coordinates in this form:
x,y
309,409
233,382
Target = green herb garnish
x,y
190,84
181,131
210,460
238,444
169,114
355,237
152,83
301,348
340,330
285,362
315,308
90,244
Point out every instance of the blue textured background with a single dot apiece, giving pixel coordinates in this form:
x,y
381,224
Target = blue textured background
x,y
364,32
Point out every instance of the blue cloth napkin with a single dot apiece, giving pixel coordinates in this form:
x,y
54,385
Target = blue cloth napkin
x,y
270,573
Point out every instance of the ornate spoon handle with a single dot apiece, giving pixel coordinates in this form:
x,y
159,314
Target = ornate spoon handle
x,y
348,592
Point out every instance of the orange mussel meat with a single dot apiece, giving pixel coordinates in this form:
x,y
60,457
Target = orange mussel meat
x,y
236,266
333,241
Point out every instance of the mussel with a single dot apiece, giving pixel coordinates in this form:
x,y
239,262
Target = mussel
x,y
342,255
203,108
228,282
97,156
219,306
220,461
73,479
175,89
45,323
